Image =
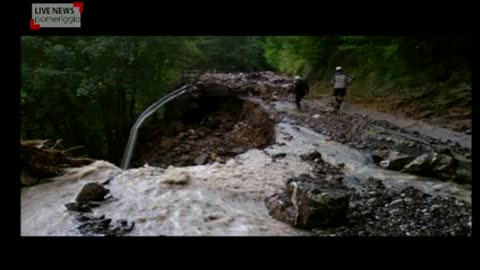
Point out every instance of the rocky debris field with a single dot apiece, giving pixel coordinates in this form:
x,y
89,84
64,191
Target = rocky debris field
x,y
377,211
323,203
441,166
361,132
329,207
90,196
264,83
428,142
218,134
214,133
392,147
214,125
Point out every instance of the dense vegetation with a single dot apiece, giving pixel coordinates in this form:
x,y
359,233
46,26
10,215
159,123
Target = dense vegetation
x,y
382,58
89,90
399,70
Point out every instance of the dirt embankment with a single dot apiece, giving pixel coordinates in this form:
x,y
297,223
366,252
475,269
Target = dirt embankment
x,y
41,159
212,124
197,131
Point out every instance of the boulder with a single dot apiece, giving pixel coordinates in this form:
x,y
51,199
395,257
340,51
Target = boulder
x,y
91,192
201,159
444,150
433,164
379,155
463,173
237,150
78,207
279,155
312,156
308,203
392,160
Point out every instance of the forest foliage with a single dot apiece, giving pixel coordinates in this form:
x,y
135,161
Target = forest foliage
x,y
89,90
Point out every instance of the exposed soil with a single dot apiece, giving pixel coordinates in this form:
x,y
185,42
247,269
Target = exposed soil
x,y
196,131
43,158
206,128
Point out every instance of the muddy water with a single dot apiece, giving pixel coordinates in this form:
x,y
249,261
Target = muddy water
x,y
219,199
42,206
359,166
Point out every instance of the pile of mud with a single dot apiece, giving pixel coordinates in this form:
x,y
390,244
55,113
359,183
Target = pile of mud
x,y
196,131
264,83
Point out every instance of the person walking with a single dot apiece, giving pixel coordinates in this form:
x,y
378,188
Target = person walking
x,y
300,88
340,81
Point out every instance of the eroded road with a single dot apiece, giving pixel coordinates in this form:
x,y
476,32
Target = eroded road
x,y
227,196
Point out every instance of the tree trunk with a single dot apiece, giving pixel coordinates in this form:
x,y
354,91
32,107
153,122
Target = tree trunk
x,y
107,122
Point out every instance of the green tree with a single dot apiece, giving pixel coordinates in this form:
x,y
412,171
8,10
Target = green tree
x,y
89,90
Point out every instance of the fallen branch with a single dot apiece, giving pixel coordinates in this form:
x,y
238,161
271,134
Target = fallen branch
x,y
72,148
56,143
38,161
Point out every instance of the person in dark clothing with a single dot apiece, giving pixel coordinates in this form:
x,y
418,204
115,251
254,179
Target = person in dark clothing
x,y
340,81
300,88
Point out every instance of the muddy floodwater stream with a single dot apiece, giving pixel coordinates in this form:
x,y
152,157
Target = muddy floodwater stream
x,y
212,199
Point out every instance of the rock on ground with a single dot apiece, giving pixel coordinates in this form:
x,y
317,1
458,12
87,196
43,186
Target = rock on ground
x,y
101,226
392,160
308,203
174,176
437,165
91,192
378,211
